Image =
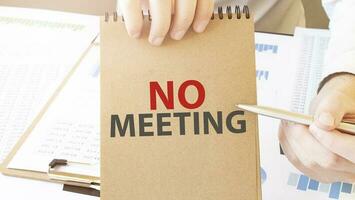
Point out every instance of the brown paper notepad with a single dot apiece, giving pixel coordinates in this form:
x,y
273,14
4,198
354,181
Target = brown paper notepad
x,y
169,125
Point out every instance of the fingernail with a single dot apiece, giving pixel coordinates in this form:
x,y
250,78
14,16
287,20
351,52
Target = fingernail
x,y
178,35
326,119
200,27
135,35
156,40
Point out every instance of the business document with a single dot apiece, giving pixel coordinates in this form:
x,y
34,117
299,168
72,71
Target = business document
x,y
38,49
70,127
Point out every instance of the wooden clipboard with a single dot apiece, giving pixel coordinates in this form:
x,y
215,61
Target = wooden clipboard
x,y
72,186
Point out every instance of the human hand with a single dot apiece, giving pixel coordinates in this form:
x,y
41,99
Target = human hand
x,y
185,13
320,151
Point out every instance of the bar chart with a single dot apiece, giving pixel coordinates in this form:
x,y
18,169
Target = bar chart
x,y
333,190
262,75
266,48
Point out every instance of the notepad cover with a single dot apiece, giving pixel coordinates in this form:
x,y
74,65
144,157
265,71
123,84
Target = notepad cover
x,y
153,144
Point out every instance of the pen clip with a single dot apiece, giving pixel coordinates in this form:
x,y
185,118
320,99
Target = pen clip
x,y
349,118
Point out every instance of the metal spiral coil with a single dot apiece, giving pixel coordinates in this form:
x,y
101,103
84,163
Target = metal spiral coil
x,y
229,13
237,11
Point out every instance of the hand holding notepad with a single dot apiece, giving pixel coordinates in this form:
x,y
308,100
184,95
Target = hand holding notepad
x,y
169,128
169,17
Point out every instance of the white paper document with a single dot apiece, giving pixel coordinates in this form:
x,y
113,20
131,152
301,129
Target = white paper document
x,y
38,49
289,72
311,46
70,127
273,65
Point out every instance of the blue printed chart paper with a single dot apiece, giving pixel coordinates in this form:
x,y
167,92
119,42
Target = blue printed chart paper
x,y
288,72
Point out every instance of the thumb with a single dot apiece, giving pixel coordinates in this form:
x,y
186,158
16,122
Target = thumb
x,y
330,111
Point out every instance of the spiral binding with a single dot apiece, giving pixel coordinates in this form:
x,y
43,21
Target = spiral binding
x,y
237,11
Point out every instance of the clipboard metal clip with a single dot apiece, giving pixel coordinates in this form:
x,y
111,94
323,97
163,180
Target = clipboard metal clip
x,y
72,179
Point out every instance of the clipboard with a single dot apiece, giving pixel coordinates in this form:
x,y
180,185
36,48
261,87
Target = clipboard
x,y
72,182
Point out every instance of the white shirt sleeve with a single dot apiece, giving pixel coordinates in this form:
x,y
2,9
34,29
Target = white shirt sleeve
x,y
340,56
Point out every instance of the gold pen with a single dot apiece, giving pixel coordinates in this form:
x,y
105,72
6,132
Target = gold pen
x,y
345,126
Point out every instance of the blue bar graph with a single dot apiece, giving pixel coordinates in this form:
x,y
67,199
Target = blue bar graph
x,y
303,183
333,191
266,48
262,75
346,188
313,185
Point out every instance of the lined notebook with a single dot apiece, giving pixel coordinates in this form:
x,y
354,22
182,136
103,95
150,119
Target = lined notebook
x,y
169,125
